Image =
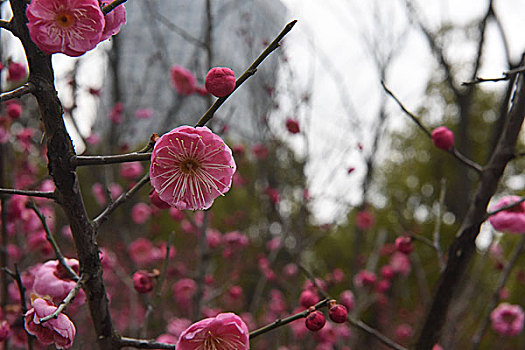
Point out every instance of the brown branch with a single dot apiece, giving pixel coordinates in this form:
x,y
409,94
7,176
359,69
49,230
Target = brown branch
x,y
6,25
25,89
67,300
104,160
281,322
102,217
59,152
453,151
476,340
506,76
40,194
51,240
252,69
463,246
144,344
111,6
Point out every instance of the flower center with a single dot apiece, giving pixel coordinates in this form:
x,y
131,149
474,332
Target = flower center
x,y
508,317
189,166
64,19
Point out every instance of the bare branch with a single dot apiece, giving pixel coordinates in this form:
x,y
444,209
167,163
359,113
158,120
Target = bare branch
x,y
18,92
114,159
144,344
463,159
52,241
464,247
476,339
252,69
67,300
40,194
102,217
506,76
6,25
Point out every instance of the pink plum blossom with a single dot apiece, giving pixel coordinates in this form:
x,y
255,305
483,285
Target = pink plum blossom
x,y
183,80
93,139
507,319
443,138
511,220
226,331
400,263
260,151
71,27
59,331
53,280
220,81
190,167
347,299
113,20
117,113
308,298
156,201
364,278
141,251
13,109
404,244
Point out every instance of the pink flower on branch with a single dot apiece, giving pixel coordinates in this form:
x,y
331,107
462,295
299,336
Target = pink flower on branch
x,y
190,167
226,331
71,27
220,81
60,330
113,20
443,138
511,220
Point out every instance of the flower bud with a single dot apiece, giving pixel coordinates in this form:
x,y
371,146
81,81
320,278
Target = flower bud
x,y
220,81
315,321
338,313
443,138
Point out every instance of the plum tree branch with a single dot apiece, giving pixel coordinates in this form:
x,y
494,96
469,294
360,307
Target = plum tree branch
x,y
67,300
476,339
463,247
252,69
18,92
111,6
453,151
40,194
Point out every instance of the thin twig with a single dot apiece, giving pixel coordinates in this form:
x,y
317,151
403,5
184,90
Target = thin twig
x,y
157,293
247,73
111,6
144,344
463,159
437,228
18,92
102,217
67,300
373,332
6,25
506,76
281,322
476,340
22,292
52,241
103,160
40,194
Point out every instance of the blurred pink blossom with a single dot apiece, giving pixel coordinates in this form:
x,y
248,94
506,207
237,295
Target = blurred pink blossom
x,y
443,138
364,219
400,263
183,80
144,113
292,125
131,170
140,213
16,71
507,319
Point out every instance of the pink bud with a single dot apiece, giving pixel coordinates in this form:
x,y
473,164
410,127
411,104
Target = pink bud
x,y
220,81
404,244
142,282
338,313
315,321
443,138
14,110
156,201
292,125
347,299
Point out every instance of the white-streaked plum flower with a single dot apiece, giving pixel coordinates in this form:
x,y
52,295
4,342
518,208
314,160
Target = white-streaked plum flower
x,y
190,167
71,27
226,331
